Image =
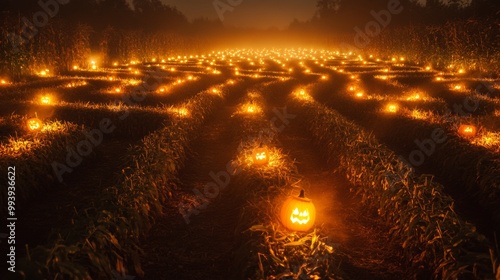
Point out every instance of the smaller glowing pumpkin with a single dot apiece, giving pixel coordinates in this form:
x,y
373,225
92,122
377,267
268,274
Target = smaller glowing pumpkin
x,y
34,124
392,108
467,130
260,156
298,213
45,100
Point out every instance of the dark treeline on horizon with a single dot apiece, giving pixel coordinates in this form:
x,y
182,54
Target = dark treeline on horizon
x,y
336,15
344,14
150,15
119,30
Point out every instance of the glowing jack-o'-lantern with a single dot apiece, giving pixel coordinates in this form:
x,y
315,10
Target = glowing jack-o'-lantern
x,y
467,130
260,156
298,213
45,100
392,108
34,124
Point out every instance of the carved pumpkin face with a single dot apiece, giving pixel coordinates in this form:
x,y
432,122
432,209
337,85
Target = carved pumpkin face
x,y
467,130
298,213
34,124
260,156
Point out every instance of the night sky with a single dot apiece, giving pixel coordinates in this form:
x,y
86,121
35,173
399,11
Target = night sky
x,y
250,13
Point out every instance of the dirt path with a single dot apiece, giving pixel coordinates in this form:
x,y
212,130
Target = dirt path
x,y
200,249
363,240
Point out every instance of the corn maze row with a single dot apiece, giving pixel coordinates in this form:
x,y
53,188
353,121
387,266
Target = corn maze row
x,y
103,159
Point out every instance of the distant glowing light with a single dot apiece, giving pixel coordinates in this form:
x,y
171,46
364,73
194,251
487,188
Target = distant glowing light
x,y
467,130
180,112
458,87
302,94
392,108
420,115
414,97
34,124
45,100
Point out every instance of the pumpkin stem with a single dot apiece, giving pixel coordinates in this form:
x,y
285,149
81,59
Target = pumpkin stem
x,y
302,194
